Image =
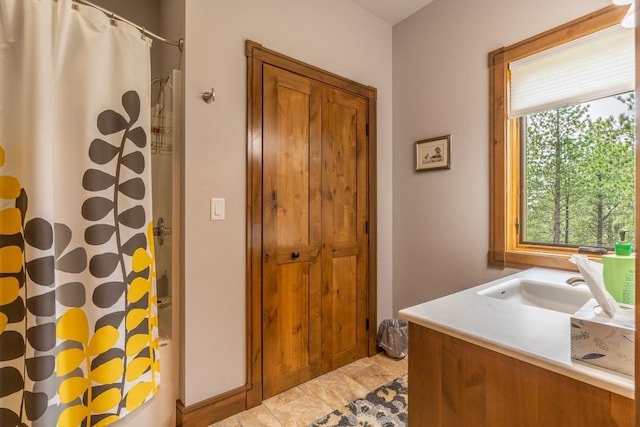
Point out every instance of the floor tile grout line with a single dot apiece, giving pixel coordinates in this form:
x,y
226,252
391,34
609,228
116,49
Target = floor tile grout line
x,y
275,417
329,404
387,371
384,371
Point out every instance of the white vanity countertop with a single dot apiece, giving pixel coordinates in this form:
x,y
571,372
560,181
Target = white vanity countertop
x,y
531,334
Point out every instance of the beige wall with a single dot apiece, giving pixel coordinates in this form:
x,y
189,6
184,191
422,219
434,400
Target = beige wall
x,y
440,86
335,35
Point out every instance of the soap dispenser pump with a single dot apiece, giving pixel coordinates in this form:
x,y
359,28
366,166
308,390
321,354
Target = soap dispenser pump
x,y
620,272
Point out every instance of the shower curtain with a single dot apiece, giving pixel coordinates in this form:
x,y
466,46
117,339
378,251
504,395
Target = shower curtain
x,y
78,320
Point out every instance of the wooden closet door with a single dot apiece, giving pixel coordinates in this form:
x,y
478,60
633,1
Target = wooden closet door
x,y
344,227
291,230
315,239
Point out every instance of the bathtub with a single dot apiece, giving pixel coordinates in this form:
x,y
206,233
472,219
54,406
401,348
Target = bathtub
x,y
160,411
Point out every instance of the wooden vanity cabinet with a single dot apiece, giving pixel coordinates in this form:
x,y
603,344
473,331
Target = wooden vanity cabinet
x,y
453,383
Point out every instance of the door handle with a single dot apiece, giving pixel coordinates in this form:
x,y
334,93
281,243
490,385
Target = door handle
x,y
295,255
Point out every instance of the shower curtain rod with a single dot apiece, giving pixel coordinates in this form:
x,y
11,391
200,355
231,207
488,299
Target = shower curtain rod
x,y
178,43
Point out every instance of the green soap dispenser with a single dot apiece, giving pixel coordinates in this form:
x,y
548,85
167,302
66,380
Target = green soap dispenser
x,y
620,272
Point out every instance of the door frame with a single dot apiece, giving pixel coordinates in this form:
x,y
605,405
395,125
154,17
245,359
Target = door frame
x,y
257,55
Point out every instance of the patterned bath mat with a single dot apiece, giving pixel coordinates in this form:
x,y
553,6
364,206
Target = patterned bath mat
x,y
383,407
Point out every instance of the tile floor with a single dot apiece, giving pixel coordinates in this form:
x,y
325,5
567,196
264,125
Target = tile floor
x,y
307,402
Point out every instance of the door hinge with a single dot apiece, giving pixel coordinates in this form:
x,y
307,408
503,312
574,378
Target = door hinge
x,y
367,129
366,324
366,227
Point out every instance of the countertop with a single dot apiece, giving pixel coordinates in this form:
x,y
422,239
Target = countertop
x,y
531,334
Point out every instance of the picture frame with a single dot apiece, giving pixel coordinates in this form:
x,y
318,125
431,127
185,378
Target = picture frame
x,y
433,153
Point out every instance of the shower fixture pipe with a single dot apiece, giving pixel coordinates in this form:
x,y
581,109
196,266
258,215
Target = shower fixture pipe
x,y
159,80
178,43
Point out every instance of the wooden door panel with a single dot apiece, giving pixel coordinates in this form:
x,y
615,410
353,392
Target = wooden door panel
x,y
344,304
344,221
342,122
298,183
293,347
292,170
298,253
292,230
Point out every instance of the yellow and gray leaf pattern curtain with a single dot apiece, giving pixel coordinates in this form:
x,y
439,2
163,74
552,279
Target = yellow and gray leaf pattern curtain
x,y
78,319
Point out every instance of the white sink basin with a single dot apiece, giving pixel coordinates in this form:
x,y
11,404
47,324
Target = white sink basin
x,y
549,296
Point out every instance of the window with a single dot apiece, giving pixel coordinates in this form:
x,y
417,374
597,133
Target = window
x,y
562,142
578,174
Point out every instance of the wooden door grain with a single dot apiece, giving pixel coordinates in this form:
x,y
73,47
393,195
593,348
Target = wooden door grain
x,y
344,226
292,233
314,235
311,222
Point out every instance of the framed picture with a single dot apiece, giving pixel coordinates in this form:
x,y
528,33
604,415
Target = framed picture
x,y
433,153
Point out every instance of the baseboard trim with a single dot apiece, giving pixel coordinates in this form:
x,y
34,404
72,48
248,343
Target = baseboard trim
x,y
207,412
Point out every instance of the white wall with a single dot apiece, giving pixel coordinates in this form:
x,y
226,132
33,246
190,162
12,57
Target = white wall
x,y
441,86
335,35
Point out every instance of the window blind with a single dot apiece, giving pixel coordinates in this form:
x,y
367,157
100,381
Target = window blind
x,y
588,68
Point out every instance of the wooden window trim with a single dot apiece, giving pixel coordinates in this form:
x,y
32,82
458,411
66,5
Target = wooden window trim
x,y
504,150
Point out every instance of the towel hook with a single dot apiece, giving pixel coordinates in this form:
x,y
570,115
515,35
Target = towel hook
x,y
209,97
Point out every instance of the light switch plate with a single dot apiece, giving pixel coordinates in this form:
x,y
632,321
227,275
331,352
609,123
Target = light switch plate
x,y
217,209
